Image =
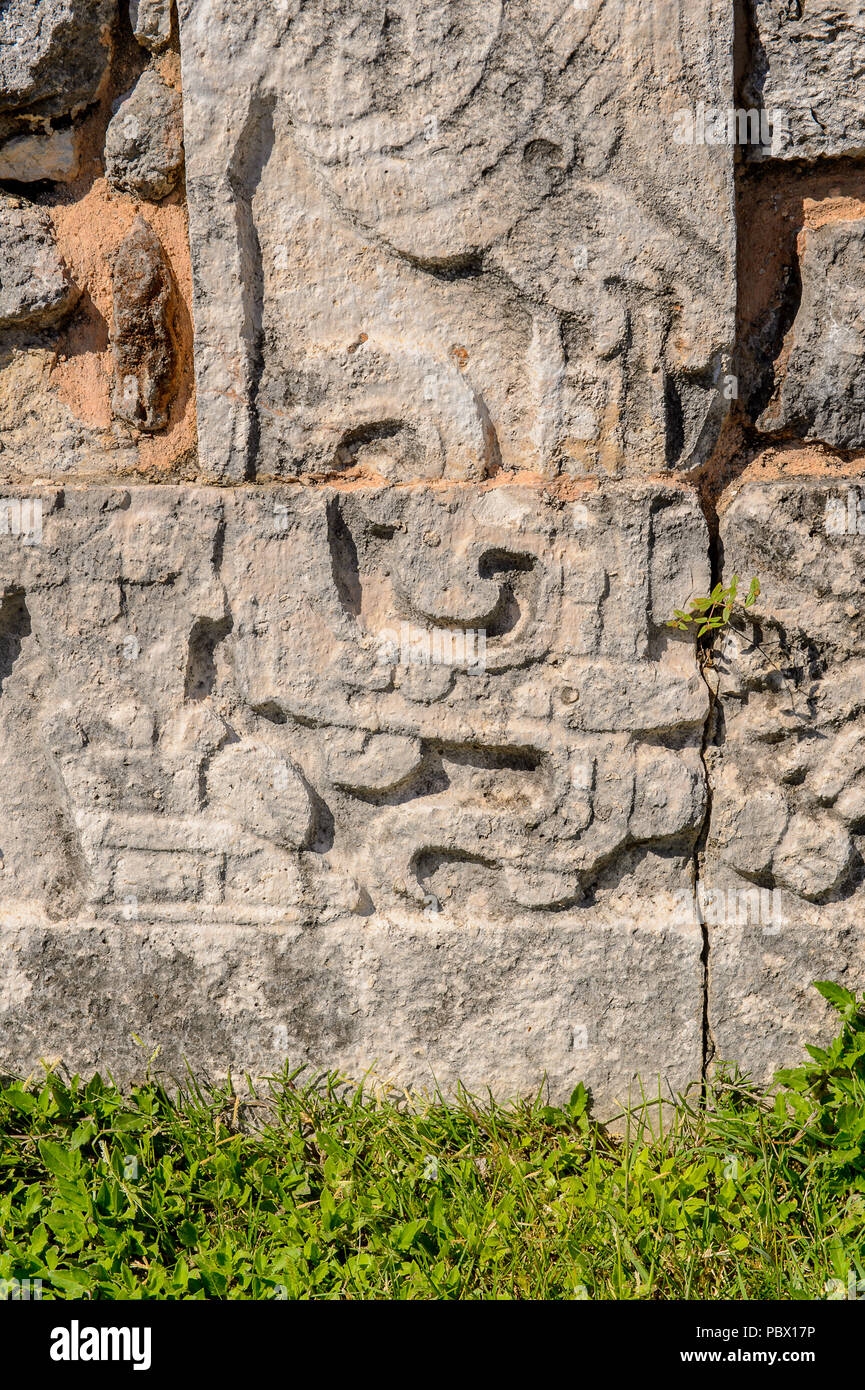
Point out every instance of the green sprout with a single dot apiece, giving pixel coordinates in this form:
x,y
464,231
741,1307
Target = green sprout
x,y
712,612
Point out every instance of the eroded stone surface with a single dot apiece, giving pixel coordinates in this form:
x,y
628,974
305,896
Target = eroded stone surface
x,y
459,238
54,55
144,140
787,769
151,23
35,285
421,1004
142,343
808,59
821,394
204,732
32,158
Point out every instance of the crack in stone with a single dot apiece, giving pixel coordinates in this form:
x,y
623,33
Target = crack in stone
x,y
707,1041
711,482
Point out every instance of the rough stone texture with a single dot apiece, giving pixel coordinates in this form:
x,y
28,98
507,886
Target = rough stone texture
x,y
32,158
205,734
763,1010
35,285
257,718
144,140
787,771
418,1003
54,55
61,414
383,755
807,62
151,23
454,238
822,388
142,342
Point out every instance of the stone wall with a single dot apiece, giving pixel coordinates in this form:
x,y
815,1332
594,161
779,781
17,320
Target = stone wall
x,y
340,719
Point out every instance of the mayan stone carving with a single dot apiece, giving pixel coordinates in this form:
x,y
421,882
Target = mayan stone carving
x,y
788,799
313,754
450,258
376,379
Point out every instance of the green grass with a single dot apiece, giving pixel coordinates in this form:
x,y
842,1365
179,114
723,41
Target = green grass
x,y
324,1191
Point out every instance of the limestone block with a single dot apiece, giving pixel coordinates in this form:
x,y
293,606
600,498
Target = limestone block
x,y
784,851
821,395
807,59
386,776
319,710
144,139
486,758
415,1003
463,239
53,55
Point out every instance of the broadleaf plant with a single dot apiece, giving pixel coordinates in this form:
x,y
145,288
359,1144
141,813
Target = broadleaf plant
x,y
712,612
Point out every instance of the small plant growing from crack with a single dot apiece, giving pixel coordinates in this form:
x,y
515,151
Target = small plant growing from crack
x,y
704,618
712,612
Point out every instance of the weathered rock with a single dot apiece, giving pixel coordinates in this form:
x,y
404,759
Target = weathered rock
x,y
35,285
228,743
263,793
32,158
808,57
151,23
560,762
764,1009
821,394
499,1006
142,342
54,54
462,239
785,847
144,140
409,771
